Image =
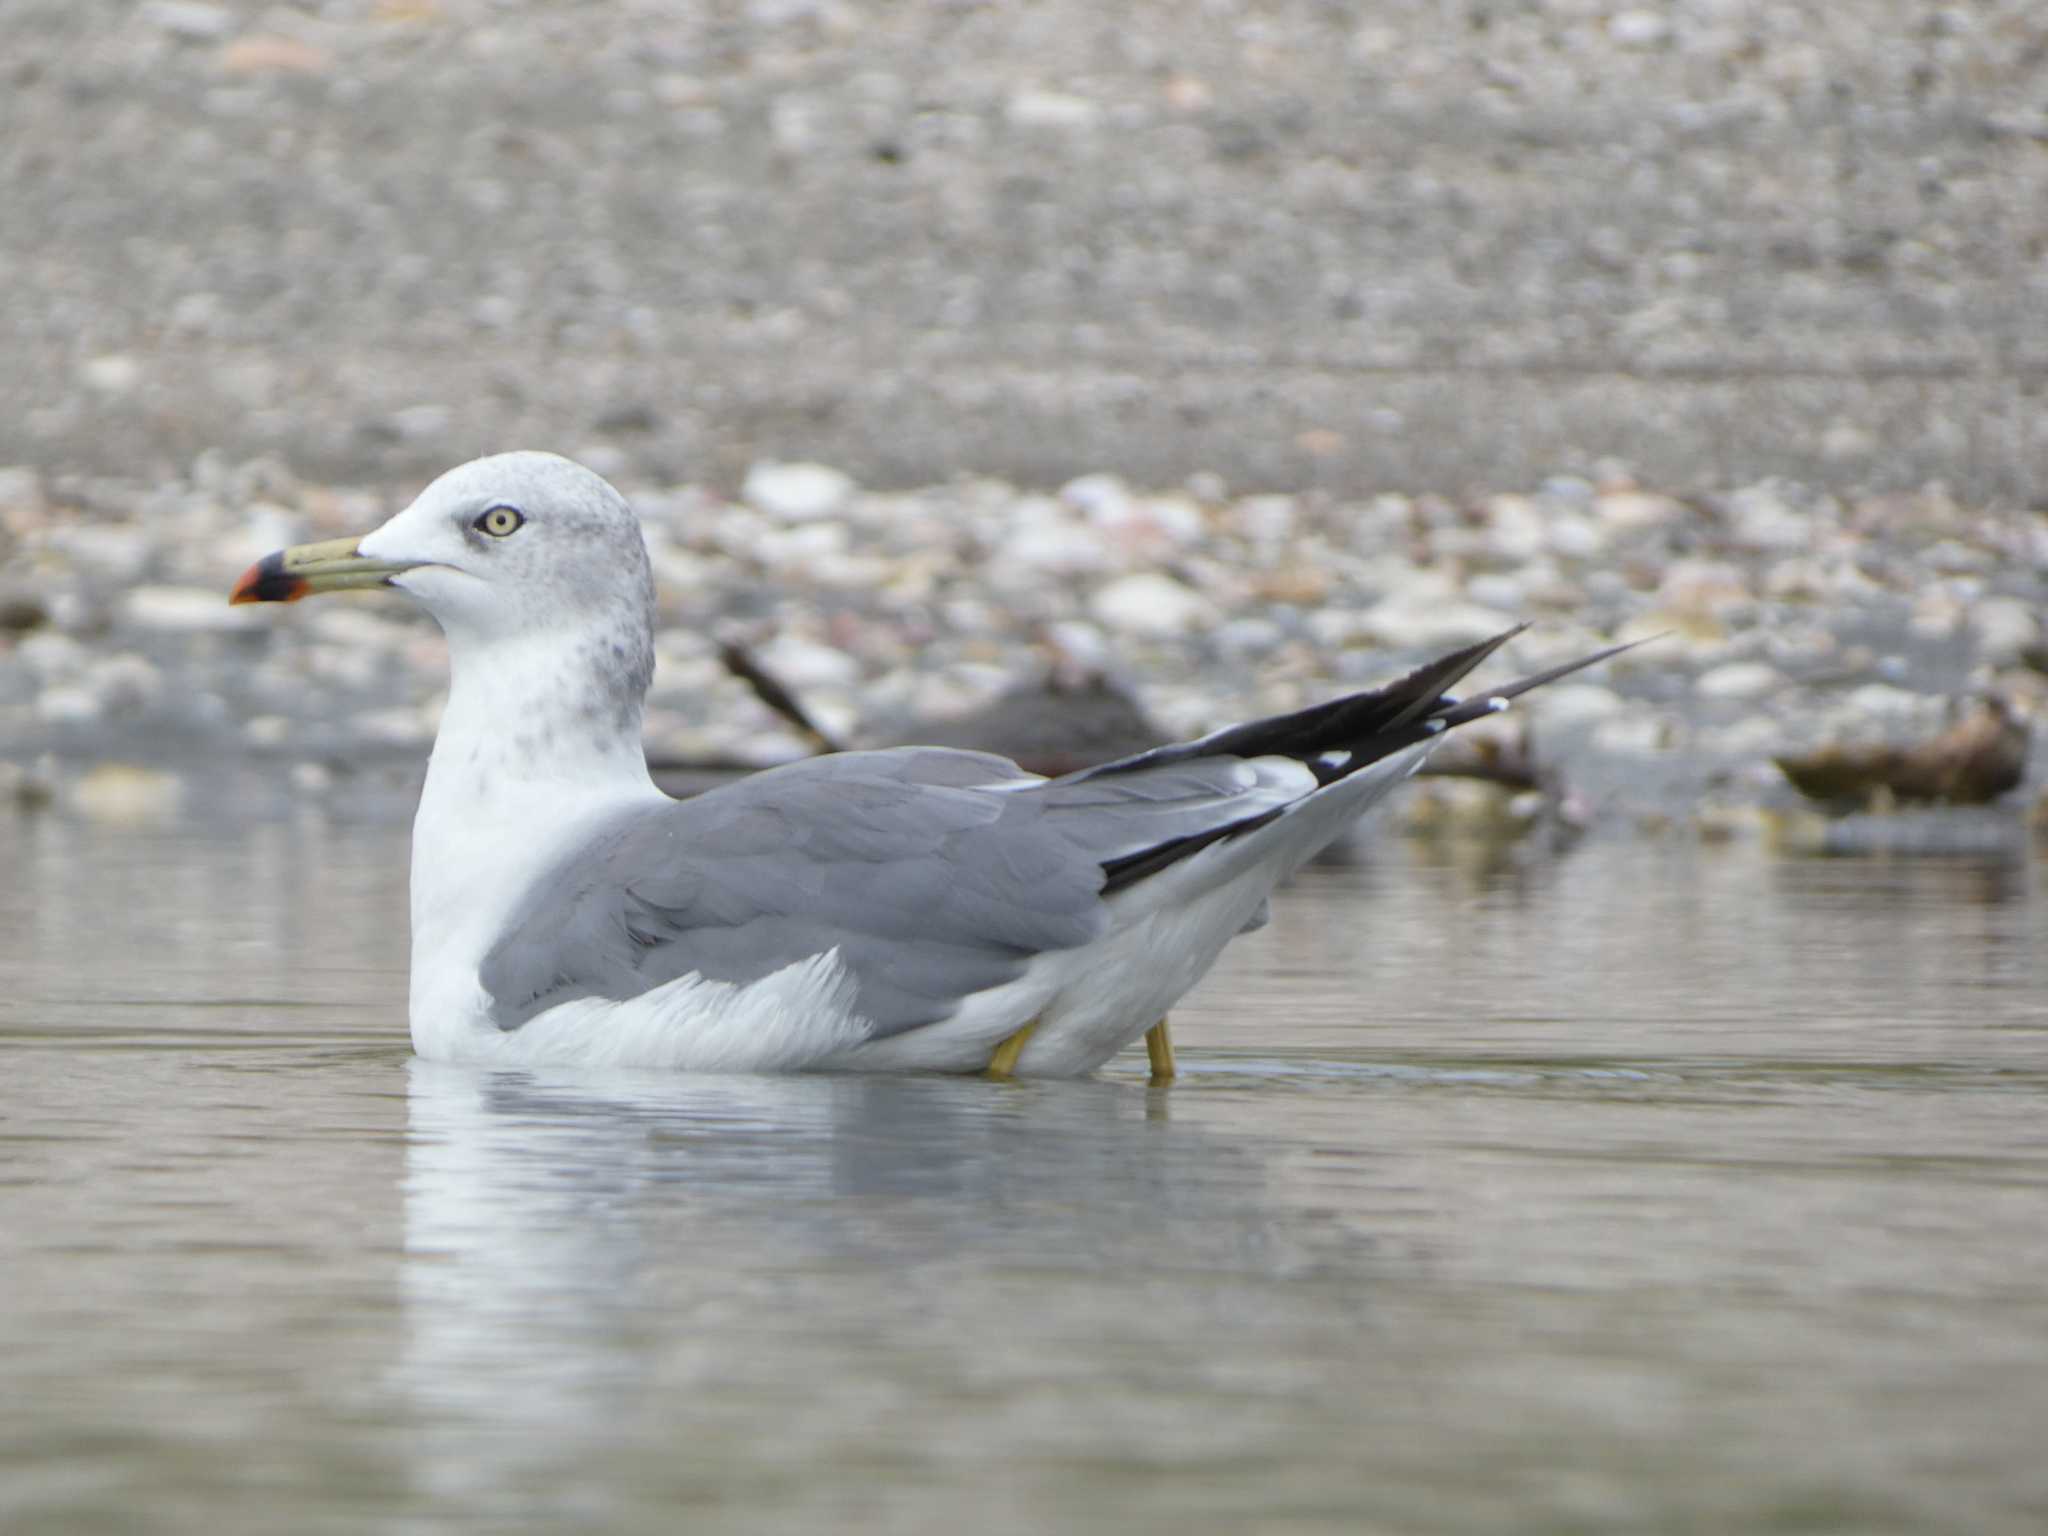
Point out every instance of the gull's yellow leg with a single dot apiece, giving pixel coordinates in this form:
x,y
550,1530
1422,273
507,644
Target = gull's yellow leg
x,y
1159,1051
1004,1062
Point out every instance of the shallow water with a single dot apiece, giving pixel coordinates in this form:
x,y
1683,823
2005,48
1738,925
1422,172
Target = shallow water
x,y
1635,1188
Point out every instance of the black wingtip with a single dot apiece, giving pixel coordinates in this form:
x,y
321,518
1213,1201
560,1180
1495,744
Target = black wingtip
x,y
1461,712
1426,684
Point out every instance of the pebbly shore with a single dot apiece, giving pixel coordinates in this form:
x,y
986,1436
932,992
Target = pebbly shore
x,y
1791,620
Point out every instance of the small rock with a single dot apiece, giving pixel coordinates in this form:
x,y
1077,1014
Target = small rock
x,y
1749,738
1762,519
1262,519
1104,498
1739,680
26,787
1516,526
114,373
1637,511
263,54
190,19
1880,704
1697,591
1972,762
1575,704
1335,629
800,663
1060,549
1638,28
1506,593
1567,490
67,704
797,492
1051,109
1938,613
21,612
267,731
113,552
1635,734
1416,621
1248,638
1575,537
21,486
125,794
51,656
2006,628
185,610
1151,604
125,683
1844,440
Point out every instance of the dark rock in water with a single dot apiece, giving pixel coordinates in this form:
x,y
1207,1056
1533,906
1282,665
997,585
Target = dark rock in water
x,y
1051,724
1063,720
1974,761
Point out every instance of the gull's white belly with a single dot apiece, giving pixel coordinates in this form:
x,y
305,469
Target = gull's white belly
x,y
796,1019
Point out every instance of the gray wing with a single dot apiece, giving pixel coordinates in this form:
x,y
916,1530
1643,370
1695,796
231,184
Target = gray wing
x,y
934,874
928,887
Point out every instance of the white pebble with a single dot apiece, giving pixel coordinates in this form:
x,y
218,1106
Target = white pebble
x,y
185,610
2006,628
50,655
1638,29
20,486
1576,704
126,794
1249,638
1738,680
1516,524
801,663
1416,621
266,730
1575,537
1638,511
1051,109
114,373
797,493
191,19
1151,604
67,704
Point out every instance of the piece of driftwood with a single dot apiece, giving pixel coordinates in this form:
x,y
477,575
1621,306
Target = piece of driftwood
x,y
1979,758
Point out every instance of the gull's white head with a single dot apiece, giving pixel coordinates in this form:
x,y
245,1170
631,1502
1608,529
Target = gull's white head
x,y
534,566
513,544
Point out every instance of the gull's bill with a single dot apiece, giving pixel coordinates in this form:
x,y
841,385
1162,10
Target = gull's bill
x,y
306,569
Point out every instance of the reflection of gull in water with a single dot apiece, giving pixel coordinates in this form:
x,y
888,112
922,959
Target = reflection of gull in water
x,y
748,1249
914,909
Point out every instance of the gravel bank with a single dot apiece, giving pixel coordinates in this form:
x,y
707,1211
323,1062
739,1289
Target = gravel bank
x,y
1795,618
1305,245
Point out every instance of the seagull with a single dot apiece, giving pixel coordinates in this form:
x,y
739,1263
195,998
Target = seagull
x,y
914,909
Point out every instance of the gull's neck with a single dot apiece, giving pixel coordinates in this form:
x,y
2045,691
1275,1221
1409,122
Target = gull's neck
x,y
543,711
540,737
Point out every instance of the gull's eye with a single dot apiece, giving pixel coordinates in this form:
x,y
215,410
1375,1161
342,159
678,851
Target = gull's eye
x,y
500,522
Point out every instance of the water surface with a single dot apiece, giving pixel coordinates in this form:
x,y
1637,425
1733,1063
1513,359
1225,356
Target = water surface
x,y
1634,1188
